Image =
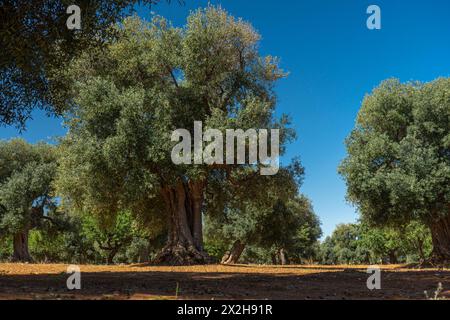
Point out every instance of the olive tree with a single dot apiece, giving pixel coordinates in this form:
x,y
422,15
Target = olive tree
x,y
26,195
398,164
128,100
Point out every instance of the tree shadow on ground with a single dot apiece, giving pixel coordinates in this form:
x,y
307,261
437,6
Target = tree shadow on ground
x,y
335,285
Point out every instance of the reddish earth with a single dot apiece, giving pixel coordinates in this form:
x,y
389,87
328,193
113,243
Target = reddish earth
x,y
41,281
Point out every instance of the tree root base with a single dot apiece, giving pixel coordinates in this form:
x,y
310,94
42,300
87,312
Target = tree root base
x,y
179,255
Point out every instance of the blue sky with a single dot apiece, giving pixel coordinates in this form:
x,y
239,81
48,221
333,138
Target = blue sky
x,y
333,60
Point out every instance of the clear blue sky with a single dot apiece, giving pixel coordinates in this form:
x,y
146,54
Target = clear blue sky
x,y
333,60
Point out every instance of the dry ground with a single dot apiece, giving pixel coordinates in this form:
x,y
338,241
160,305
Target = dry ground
x,y
41,281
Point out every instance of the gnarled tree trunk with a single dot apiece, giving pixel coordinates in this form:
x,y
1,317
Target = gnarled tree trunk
x,y
185,240
440,233
232,256
20,243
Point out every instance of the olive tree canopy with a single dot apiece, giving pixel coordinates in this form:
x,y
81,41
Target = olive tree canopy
x,y
26,194
398,164
151,80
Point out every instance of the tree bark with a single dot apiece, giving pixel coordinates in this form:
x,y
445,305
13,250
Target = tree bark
x,y
195,204
20,243
393,257
185,240
111,255
283,257
232,256
440,234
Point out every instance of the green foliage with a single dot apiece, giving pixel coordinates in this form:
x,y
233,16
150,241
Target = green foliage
x,y
150,80
290,225
5,248
297,229
26,194
361,244
83,240
36,45
417,242
398,164
122,236
343,247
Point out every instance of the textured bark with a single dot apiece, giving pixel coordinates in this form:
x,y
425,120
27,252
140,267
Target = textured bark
x,y
21,252
440,233
232,256
185,240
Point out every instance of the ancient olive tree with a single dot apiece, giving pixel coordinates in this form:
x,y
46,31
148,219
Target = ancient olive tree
x,y
398,164
26,198
130,97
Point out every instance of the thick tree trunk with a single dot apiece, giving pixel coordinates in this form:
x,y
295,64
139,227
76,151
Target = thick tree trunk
x,y
283,257
185,241
195,203
20,242
440,233
111,255
232,256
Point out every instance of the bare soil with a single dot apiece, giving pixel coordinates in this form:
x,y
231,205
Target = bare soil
x,y
42,281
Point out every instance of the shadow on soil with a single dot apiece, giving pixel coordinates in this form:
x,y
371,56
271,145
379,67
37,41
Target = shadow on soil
x,y
336,285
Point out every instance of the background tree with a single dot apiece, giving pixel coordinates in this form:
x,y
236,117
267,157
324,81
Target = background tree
x,y
343,247
361,244
113,237
398,164
26,195
297,230
82,239
386,245
36,43
152,79
237,212
418,242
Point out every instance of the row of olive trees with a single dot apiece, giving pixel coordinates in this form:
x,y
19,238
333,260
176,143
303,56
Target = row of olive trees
x,y
361,244
81,239
123,100
31,215
126,99
35,226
